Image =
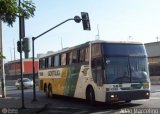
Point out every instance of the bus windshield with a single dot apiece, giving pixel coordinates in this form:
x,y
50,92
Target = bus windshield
x,y
125,63
126,70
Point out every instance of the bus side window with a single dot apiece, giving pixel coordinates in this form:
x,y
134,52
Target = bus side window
x,y
40,64
43,63
74,56
56,61
63,59
78,56
52,61
82,55
46,62
70,58
67,58
96,50
59,60
49,62
87,54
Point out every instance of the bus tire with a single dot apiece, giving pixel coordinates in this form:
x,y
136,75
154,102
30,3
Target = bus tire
x,y
90,95
127,101
45,89
49,92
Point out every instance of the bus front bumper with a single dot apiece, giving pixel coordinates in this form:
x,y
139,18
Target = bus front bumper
x,y
127,95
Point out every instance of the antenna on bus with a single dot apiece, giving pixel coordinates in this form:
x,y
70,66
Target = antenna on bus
x,y
10,53
157,38
97,36
14,50
61,43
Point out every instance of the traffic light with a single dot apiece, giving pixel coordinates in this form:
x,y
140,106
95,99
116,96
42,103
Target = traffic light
x,y
85,21
25,45
18,46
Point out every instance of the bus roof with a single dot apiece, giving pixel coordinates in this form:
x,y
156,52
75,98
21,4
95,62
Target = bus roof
x,y
115,42
87,43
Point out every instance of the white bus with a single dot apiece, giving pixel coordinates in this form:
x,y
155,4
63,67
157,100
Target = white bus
x,y
97,71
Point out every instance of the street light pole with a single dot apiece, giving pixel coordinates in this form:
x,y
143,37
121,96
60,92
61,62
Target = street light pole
x,y
33,61
77,19
33,68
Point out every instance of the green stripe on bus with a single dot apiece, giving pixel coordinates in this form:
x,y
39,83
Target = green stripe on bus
x,y
71,81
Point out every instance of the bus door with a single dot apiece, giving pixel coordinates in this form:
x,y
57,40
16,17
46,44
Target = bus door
x,y
97,71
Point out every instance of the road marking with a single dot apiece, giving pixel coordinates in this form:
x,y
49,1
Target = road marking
x,y
149,99
105,112
82,112
155,98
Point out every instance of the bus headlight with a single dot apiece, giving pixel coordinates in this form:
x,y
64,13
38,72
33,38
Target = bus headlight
x,y
112,96
147,94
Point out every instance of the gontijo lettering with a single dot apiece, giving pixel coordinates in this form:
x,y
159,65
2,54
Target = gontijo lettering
x,y
54,73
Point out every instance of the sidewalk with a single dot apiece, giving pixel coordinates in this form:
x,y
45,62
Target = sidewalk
x,y
14,105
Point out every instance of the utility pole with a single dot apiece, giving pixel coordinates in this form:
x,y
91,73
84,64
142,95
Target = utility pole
x,y
2,65
21,36
157,38
14,58
10,53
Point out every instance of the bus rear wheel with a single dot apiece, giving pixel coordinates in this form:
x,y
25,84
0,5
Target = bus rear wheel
x,y
49,92
90,96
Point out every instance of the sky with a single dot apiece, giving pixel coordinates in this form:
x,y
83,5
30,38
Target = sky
x,y
117,20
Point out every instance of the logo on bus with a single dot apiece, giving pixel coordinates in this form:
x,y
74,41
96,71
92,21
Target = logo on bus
x,y
54,73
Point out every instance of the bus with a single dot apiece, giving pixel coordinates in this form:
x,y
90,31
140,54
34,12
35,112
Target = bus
x,y
97,71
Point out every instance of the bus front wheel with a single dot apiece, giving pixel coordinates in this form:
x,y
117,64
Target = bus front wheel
x,y
90,96
127,101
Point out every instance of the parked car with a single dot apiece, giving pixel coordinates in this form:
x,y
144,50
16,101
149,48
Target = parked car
x,y
27,83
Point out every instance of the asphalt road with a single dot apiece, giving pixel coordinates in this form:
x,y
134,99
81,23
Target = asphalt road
x,y
65,105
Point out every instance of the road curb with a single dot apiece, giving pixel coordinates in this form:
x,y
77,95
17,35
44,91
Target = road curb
x,y
33,110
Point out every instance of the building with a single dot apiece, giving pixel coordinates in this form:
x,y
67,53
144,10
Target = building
x,y
12,69
153,51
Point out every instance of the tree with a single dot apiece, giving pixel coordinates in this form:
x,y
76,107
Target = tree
x,y
10,9
1,56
